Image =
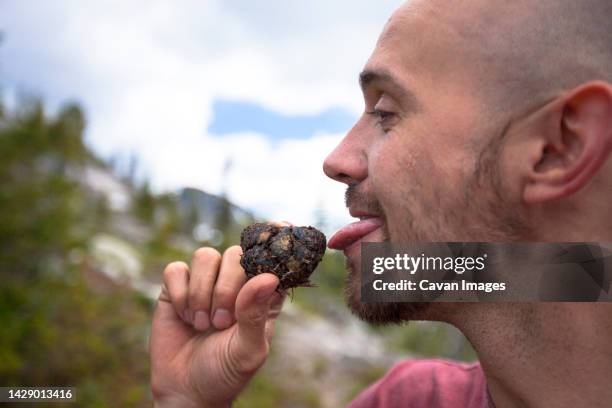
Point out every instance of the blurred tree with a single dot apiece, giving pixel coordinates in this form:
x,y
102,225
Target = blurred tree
x,y
170,217
165,226
132,168
192,218
101,209
66,135
144,204
224,220
58,329
39,203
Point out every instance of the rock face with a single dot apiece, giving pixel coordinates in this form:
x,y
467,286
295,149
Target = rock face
x,y
291,253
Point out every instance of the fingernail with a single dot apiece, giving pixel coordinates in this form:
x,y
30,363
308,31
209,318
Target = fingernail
x,y
201,320
265,293
222,319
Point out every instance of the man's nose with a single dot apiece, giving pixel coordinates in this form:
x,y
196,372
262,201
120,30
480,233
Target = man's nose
x,y
348,163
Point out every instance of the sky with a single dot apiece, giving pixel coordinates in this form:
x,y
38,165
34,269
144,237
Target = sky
x,y
188,86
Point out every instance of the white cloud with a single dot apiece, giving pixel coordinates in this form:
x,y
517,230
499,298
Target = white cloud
x,y
147,72
285,181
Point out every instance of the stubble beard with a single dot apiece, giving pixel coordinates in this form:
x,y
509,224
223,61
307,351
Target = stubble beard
x,y
497,222
379,313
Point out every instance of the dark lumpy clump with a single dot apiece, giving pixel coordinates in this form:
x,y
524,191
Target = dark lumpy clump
x,y
291,253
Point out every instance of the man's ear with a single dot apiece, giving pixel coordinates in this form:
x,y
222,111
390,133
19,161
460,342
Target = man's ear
x,y
573,142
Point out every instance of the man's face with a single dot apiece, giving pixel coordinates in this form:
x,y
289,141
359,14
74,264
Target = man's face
x,y
421,159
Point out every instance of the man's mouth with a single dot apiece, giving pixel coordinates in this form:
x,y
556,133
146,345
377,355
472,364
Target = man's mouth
x,y
354,232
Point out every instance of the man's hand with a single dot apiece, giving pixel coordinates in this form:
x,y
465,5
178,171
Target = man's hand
x,y
211,330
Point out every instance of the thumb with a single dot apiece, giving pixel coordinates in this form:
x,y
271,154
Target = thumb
x,y
249,346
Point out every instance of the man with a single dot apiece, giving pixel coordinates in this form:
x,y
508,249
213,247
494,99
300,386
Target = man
x,y
484,121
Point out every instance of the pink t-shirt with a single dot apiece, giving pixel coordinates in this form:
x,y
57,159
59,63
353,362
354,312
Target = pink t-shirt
x,y
427,384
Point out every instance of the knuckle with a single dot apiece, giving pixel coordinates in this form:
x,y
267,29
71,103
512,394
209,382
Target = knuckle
x,y
206,254
248,363
224,293
256,319
198,299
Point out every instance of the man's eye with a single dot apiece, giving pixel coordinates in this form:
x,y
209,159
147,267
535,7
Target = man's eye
x,y
381,115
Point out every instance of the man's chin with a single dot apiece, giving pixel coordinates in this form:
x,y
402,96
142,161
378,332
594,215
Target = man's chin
x,y
379,313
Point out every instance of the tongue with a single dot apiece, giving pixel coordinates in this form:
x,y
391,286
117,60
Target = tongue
x,y
353,232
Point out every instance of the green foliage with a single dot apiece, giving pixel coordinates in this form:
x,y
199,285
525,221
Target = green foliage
x,y
331,274
363,378
165,223
38,203
230,228
329,279
144,204
224,222
262,392
58,332
429,339
266,391
59,329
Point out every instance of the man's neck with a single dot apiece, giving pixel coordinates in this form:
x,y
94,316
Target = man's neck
x,y
542,354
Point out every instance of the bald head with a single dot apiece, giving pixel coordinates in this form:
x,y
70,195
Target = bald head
x,y
523,52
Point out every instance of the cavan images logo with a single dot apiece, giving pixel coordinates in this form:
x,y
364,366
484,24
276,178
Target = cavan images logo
x,y
491,272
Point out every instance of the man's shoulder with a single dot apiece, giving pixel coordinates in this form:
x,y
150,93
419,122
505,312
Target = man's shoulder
x,y
435,383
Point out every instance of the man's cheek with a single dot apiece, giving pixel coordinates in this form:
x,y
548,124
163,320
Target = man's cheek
x,y
383,179
389,183
393,204
386,163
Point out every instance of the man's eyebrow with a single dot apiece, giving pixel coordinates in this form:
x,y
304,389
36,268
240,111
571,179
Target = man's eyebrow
x,y
368,77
